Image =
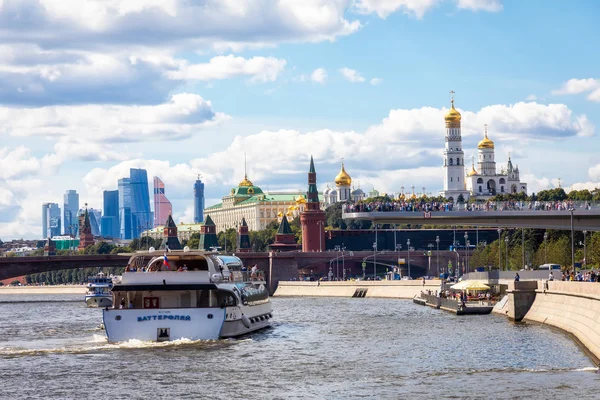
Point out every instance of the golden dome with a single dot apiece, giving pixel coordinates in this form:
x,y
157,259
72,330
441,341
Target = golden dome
x,y
289,213
453,115
414,196
246,182
485,143
473,171
343,179
300,199
401,197
279,214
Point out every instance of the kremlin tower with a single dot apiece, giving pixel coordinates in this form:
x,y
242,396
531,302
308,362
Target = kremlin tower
x,y
313,218
454,165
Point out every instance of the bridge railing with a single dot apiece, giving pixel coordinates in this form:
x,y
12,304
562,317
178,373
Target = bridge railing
x,y
418,206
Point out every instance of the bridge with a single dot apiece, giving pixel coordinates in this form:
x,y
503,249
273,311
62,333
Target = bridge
x,y
579,219
277,265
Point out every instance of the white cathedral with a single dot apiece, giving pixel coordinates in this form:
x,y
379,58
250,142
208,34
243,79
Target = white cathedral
x,y
342,191
481,184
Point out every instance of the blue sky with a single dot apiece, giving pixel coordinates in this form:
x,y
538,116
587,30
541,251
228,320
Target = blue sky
x,y
90,89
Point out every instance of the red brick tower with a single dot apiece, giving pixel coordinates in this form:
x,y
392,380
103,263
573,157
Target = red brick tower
x,y
244,245
85,231
313,218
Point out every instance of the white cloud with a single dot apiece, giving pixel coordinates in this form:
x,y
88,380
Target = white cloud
x,y
351,75
182,116
260,69
577,86
483,5
376,81
418,8
383,8
319,75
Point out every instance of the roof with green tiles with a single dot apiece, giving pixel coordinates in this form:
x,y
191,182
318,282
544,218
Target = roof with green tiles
x,y
264,198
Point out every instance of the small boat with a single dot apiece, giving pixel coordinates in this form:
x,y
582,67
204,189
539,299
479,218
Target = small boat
x,y
185,294
98,294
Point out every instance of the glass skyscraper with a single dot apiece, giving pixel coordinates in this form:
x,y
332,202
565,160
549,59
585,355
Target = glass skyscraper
x,y
142,216
198,201
162,206
70,209
125,209
110,220
51,221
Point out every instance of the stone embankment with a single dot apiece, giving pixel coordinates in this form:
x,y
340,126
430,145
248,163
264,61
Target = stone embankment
x,y
58,289
381,289
573,307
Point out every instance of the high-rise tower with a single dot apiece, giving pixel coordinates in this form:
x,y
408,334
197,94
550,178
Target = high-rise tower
x,y
110,218
198,201
162,205
454,167
313,218
70,213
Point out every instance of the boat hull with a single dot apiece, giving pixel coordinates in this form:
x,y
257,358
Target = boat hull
x,y
246,319
99,301
163,324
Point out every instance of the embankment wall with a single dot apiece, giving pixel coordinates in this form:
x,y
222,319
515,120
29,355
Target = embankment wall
x,y
573,307
59,289
383,289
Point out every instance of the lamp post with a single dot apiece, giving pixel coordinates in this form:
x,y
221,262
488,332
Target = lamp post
x,y
395,227
572,243
320,223
545,247
437,242
408,248
337,263
468,246
429,246
584,251
398,248
506,243
523,245
466,252
343,263
376,226
374,260
499,250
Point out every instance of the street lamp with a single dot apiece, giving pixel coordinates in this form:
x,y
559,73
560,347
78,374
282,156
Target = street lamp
x,y
398,248
466,251
321,225
499,250
584,251
408,247
437,242
374,260
506,243
523,245
468,246
343,263
572,243
545,247
337,263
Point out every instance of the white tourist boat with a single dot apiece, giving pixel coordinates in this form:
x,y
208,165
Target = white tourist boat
x,y
186,294
99,291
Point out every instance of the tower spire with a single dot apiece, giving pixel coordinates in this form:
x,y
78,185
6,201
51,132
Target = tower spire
x,y
452,98
245,170
485,125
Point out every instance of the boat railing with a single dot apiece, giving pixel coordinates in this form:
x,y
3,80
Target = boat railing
x,y
245,276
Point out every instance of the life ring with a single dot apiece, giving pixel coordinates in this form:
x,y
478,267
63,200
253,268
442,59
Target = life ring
x,y
245,321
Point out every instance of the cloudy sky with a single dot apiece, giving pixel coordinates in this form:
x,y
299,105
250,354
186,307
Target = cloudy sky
x,y
90,88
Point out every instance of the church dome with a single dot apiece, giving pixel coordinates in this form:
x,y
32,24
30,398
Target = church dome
x,y
246,182
453,115
343,179
358,191
300,199
473,171
485,143
279,214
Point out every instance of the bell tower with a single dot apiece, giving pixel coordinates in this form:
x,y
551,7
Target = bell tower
x,y
454,157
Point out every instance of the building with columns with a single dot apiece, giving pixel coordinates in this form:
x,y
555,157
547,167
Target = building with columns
x,y
249,202
342,190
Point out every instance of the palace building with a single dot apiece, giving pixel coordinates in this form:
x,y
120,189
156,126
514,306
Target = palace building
x,y
258,208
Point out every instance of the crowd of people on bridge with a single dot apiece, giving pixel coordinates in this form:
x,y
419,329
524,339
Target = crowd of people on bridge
x,y
425,206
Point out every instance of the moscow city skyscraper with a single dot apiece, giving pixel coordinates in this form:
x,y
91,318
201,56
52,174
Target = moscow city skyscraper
x,y
51,221
162,206
70,210
198,201
110,219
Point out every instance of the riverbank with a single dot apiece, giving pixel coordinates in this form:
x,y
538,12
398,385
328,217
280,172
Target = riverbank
x,y
376,289
48,289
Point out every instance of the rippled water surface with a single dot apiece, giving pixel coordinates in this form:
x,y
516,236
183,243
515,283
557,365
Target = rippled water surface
x,y
332,348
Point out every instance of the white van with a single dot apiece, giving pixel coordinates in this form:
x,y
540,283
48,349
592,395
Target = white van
x,y
548,267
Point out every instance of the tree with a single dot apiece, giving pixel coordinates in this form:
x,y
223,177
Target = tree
x,y
333,216
460,199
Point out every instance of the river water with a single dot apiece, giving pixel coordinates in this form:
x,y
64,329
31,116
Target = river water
x,y
52,347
